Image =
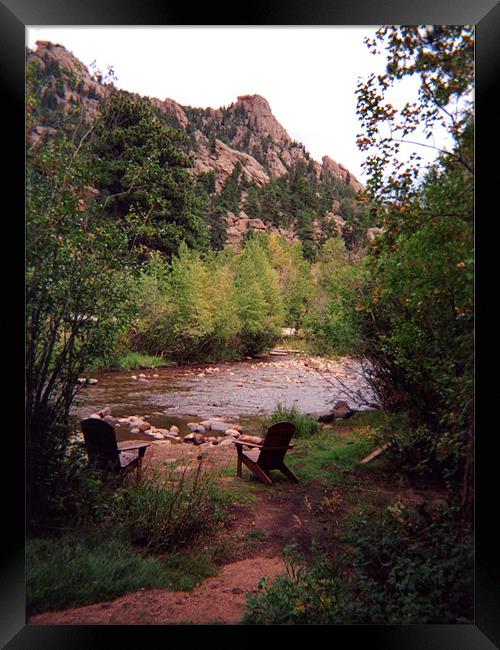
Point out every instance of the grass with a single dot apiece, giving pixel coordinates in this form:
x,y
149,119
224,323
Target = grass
x,y
132,360
96,565
305,425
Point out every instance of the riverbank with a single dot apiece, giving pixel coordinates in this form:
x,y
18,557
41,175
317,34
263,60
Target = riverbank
x,y
260,522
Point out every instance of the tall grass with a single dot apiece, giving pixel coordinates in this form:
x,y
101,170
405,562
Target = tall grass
x,y
162,532
169,511
305,425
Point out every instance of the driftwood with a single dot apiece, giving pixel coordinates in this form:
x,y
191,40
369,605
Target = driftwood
x,y
375,453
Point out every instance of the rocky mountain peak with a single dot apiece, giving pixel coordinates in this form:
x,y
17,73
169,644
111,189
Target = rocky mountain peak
x,y
262,118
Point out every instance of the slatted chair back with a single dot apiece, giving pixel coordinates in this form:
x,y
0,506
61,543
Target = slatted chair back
x,y
100,440
275,445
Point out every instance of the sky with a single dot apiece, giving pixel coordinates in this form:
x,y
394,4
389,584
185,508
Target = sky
x,y
308,75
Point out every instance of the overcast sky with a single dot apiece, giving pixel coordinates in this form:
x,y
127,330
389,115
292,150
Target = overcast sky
x,y
308,75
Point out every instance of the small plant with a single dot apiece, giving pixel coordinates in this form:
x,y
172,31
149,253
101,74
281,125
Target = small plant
x,y
305,425
402,567
168,513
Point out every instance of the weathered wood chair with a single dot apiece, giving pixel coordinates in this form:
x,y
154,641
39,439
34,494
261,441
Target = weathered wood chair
x,y
269,454
104,452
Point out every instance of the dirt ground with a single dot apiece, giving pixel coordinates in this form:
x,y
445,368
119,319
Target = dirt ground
x,y
281,515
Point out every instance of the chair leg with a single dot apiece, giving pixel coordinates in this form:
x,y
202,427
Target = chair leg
x,y
288,473
238,466
258,471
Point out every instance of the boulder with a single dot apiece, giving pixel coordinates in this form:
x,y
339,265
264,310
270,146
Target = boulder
x,y
341,410
105,411
232,432
196,427
195,438
257,440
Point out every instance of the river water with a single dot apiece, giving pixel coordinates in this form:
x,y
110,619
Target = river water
x,y
245,390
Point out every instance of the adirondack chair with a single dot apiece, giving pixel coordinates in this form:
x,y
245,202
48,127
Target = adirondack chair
x,y
269,454
104,452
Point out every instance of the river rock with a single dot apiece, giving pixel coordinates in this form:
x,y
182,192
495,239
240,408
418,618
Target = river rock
x,y
232,432
144,426
341,410
218,425
257,440
104,411
196,427
174,429
96,416
135,430
226,441
195,438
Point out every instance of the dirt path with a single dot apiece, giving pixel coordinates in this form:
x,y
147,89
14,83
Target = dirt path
x,y
257,532
220,599
260,525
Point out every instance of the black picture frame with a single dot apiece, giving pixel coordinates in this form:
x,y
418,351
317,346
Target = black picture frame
x,y
15,15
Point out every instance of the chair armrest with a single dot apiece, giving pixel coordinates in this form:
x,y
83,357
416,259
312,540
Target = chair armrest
x,y
247,444
138,445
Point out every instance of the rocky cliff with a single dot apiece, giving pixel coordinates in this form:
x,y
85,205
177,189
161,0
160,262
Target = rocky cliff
x,y
244,135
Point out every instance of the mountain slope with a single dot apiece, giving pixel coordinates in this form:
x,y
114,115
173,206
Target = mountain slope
x,y
251,173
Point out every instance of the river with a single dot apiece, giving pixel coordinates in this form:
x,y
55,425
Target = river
x,y
246,390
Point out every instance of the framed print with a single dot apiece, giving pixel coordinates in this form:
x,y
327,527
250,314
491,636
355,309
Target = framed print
x,y
17,18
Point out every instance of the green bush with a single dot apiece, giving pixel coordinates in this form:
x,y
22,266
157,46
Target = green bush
x,y
403,568
305,425
169,512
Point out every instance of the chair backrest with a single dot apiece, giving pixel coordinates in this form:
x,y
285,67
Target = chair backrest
x,y
275,444
100,440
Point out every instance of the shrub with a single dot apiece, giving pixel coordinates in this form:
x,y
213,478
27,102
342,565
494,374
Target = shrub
x,y
404,568
167,513
305,425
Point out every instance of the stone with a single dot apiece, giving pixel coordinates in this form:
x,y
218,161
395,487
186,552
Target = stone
x,y
96,416
174,429
218,425
341,410
105,411
232,432
135,430
373,233
196,427
226,441
255,439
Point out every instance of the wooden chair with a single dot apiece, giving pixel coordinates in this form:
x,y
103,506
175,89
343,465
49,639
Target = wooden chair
x,y
104,452
268,455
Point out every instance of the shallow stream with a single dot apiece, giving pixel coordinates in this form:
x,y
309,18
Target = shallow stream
x,y
246,391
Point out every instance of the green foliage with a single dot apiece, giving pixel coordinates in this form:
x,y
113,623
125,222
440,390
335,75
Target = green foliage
x,y
144,175
170,511
442,60
332,321
403,567
95,565
77,294
305,425
258,301
416,314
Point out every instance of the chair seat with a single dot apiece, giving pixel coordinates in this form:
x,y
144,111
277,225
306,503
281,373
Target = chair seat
x,y
252,454
126,458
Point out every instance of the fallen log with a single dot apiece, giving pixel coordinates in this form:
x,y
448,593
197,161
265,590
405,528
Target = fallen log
x,y
375,453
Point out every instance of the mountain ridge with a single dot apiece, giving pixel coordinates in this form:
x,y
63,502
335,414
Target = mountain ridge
x,y
244,138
